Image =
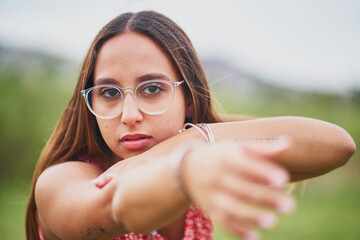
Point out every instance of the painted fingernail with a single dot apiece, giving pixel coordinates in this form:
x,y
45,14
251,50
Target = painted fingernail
x,y
111,175
103,179
286,205
96,180
268,221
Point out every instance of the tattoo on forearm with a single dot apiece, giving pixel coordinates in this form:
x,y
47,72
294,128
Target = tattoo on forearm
x,y
93,232
259,139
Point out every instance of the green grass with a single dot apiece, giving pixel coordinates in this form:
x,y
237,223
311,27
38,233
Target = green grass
x,y
13,200
328,209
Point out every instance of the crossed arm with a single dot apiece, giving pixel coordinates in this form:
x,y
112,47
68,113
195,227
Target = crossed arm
x,y
144,195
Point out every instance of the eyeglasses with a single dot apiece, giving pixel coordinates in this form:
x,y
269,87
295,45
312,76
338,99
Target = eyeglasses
x,y
152,97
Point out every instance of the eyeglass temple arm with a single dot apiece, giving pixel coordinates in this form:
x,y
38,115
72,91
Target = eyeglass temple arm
x,y
178,83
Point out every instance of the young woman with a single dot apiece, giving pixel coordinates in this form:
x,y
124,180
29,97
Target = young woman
x,y
141,80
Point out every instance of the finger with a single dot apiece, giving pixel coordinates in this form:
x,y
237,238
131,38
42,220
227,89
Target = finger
x,y
246,233
257,168
241,216
258,194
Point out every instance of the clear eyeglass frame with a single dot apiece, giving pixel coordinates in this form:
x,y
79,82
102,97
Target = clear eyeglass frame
x,y
132,90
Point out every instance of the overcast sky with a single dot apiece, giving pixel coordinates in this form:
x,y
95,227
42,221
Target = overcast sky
x,y
310,44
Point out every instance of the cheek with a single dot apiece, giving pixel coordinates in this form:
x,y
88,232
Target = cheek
x,y
170,123
106,129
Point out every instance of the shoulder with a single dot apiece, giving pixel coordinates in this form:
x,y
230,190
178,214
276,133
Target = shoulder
x,y
58,177
62,189
70,169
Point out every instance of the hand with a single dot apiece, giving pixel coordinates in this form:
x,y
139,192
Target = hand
x,y
237,185
117,168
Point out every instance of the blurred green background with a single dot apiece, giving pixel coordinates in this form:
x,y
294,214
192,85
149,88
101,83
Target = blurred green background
x,y
36,88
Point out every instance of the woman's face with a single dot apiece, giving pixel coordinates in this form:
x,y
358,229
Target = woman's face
x,y
125,61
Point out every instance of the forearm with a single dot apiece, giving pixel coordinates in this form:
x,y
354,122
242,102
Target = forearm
x,y
316,147
148,197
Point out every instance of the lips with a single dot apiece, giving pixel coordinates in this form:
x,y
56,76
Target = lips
x,y
135,141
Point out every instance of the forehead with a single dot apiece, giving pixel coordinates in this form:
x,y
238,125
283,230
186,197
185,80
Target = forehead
x,y
129,55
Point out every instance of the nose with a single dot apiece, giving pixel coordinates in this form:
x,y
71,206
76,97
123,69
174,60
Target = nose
x,y
131,113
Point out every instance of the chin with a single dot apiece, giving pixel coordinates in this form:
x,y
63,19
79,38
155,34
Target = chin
x,y
133,153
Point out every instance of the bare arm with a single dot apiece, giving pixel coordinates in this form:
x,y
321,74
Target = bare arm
x,y
71,207
147,197
317,147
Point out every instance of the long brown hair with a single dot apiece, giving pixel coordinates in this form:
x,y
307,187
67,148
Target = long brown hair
x,y
77,133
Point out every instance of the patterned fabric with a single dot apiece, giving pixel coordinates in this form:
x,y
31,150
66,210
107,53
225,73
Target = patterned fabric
x,y
197,225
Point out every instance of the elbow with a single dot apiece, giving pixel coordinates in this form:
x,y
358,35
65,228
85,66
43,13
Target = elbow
x,y
123,215
119,213
339,148
349,149
346,150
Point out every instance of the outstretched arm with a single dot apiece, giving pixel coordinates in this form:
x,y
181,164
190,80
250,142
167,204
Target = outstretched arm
x,y
316,147
220,186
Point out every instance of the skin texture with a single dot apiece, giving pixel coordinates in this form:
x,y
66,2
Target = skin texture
x,y
235,173
125,59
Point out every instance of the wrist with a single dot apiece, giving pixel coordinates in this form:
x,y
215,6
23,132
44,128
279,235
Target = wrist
x,y
178,160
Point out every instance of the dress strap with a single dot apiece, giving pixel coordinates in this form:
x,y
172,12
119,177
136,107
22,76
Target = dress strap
x,y
90,160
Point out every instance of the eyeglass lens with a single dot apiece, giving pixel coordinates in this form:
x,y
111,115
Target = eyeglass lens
x,y
152,97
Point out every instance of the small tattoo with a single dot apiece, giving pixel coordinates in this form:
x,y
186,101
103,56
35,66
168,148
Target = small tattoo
x,y
93,232
259,139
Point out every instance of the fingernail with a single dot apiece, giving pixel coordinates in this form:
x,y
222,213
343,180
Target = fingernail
x,y
286,205
268,220
111,175
251,235
103,178
279,179
96,181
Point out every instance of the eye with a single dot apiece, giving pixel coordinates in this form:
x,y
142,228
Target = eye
x,y
152,88
109,92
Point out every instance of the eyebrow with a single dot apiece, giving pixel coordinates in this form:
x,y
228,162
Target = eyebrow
x,y
149,76
101,81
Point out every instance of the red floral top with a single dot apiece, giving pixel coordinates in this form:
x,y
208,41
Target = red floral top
x,y
197,225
